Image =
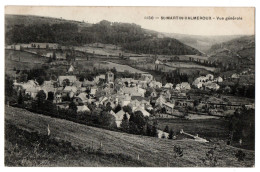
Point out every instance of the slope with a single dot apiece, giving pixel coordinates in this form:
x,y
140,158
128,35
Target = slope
x,y
151,151
133,38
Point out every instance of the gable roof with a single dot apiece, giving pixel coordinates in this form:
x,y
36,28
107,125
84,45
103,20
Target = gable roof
x,y
83,108
70,88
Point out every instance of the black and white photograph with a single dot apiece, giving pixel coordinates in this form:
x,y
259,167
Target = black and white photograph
x,y
113,86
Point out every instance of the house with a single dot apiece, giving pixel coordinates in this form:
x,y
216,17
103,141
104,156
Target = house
x,y
154,93
168,85
146,77
98,78
69,91
82,98
64,79
124,99
218,79
87,83
83,108
183,86
119,117
138,101
155,84
162,134
235,76
109,77
210,77
31,88
133,91
77,84
93,91
211,86
160,100
169,107
71,69
197,84
57,97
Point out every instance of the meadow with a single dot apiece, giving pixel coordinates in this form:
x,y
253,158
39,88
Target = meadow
x,y
148,151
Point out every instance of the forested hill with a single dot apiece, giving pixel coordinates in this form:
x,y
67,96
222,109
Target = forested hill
x,y
240,49
131,37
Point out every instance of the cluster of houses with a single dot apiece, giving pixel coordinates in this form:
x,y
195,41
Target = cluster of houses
x,y
143,94
207,82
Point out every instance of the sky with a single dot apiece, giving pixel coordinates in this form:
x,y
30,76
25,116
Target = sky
x,y
139,16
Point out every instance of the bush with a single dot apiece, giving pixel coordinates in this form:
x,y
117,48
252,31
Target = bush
x,y
178,152
240,155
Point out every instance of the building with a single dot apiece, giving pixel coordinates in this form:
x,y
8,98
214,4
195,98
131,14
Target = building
x,y
162,134
169,107
69,79
71,69
82,98
119,117
83,108
168,85
183,86
109,77
211,86
146,77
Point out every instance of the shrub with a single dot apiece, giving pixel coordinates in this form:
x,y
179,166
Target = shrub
x,y
240,155
178,152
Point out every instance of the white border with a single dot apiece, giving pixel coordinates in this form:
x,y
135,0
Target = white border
x,y
217,3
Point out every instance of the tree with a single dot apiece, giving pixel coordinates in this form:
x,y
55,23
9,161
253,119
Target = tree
x,y
54,57
240,155
166,129
50,96
171,134
154,132
147,93
125,123
20,98
73,106
148,130
8,86
139,121
23,77
41,96
106,119
127,109
117,108
40,80
108,107
66,82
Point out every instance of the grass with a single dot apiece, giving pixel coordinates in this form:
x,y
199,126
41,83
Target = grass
x,y
152,151
27,61
208,128
34,149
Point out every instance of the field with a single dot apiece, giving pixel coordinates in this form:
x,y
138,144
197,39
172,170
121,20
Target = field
x,y
118,67
190,65
27,61
151,151
216,129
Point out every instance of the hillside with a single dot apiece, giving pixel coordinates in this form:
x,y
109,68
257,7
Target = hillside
x,y
131,37
151,151
201,43
239,50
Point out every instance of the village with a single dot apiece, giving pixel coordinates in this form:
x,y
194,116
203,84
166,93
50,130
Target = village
x,y
141,93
